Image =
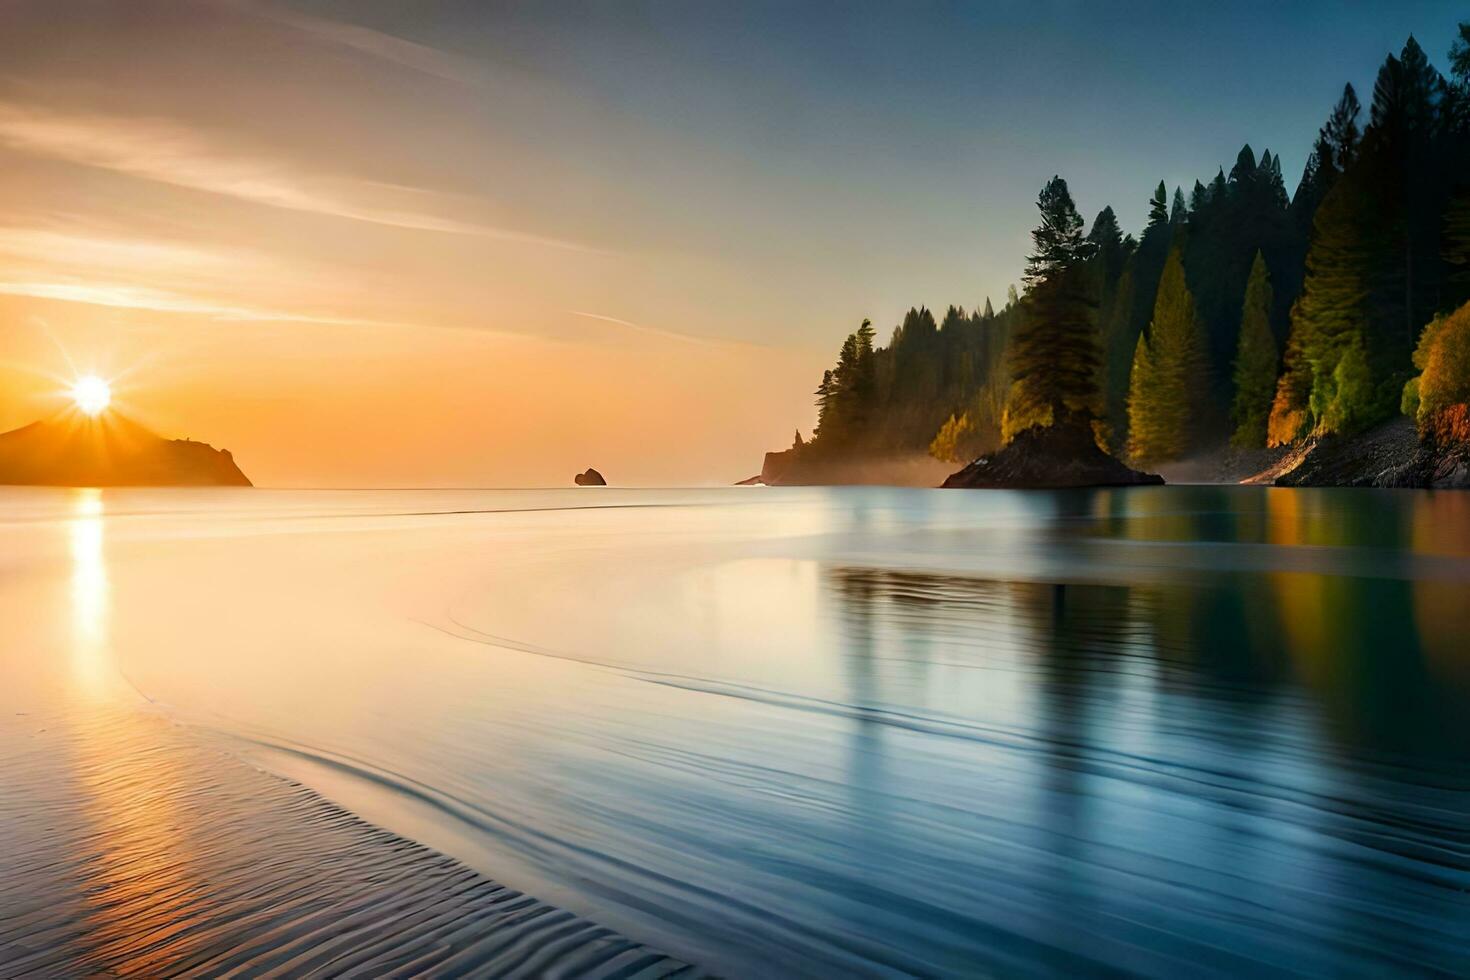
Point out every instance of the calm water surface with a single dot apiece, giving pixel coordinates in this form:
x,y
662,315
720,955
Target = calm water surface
x,y
828,731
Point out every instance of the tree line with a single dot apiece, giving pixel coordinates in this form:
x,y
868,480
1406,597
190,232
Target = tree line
x,y
1238,313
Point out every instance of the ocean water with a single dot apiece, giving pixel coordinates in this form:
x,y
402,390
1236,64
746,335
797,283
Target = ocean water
x,y
816,731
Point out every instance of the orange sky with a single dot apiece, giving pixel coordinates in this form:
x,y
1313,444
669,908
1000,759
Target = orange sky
x,y
337,254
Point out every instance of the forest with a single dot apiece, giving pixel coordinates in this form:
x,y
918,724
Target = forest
x,y
1239,315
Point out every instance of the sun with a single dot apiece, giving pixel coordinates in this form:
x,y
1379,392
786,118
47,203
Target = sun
x,y
91,394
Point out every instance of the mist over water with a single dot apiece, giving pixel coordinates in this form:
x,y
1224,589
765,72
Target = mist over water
x,y
818,731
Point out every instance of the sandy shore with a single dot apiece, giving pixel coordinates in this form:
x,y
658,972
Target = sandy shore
x,y
134,850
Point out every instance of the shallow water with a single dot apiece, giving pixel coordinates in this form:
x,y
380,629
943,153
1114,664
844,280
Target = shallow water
x,y
810,731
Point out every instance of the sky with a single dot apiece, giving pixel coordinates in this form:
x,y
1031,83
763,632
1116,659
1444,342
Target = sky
x,y
367,243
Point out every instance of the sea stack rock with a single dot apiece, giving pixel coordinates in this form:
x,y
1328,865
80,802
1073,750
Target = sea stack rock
x,y
590,478
111,451
1050,457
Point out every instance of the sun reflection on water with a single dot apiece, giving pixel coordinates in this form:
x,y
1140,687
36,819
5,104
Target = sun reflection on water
x,y
90,656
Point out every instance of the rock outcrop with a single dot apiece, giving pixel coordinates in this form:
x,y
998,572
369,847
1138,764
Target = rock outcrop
x,y
589,478
110,451
1050,457
1389,455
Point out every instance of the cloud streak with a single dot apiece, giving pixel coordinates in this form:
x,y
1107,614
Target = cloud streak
x,y
659,331
375,44
163,151
133,297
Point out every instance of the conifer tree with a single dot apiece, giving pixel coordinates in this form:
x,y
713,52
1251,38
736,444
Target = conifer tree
x,y
1179,212
1164,416
1158,206
1340,133
824,402
1054,355
1198,198
1330,317
1144,406
1255,362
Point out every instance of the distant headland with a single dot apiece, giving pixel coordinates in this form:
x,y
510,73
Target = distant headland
x,y
110,451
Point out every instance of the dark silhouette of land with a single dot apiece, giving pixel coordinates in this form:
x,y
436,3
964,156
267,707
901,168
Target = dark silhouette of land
x,y
589,478
110,451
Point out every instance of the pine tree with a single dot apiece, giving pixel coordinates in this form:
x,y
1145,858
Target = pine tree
x,y
1329,319
1255,363
1340,133
1163,411
864,382
1144,408
1198,199
1118,342
1179,213
1054,355
1158,206
824,403
1457,96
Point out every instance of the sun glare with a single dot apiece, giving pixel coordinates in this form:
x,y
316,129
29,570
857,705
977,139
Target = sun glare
x,y
91,394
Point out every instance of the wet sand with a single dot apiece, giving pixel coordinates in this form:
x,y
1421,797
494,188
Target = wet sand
x,y
134,850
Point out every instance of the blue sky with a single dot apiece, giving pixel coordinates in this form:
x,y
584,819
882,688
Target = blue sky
x,y
925,129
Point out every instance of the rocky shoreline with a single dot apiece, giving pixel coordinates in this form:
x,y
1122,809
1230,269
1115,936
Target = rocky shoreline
x,y
1388,456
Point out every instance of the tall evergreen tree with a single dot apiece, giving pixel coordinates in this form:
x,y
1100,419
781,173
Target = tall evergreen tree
x,y
1179,213
1163,420
1255,361
824,402
1054,355
1119,339
1340,133
1330,318
1335,150
1145,404
1457,95
1158,206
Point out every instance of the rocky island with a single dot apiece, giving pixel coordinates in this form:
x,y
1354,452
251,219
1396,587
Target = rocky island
x,y
1050,457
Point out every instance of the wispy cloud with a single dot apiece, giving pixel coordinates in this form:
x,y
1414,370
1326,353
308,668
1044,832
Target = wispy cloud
x,y
164,151
375,44
72,263
129,296
79,249
644,328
